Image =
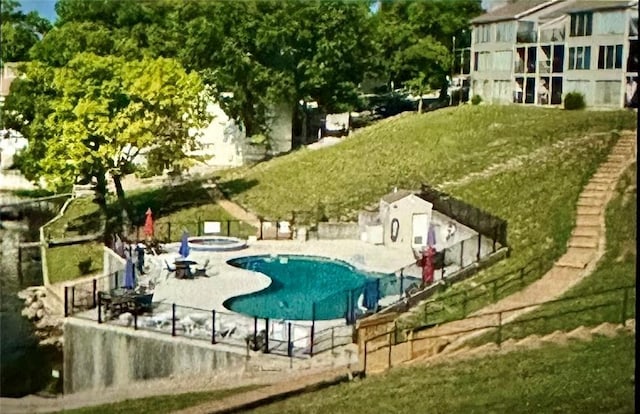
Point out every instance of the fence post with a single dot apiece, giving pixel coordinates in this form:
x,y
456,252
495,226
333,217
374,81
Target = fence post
x,y
364,362
266,336
228,228
99,306
213,327
499,334
66,302
479,247
313,326
401,282
73,297
289,341
462,254
389,358
95,289
625,298
173,319
261,235
333,342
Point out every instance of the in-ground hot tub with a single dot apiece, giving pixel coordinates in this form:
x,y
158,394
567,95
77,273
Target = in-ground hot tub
x,y
216,243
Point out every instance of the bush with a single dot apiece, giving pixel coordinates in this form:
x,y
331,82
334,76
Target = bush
x,y
476,100
574,100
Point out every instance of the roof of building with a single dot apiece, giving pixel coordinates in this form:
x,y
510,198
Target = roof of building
x,y
577,6
513,10
396,195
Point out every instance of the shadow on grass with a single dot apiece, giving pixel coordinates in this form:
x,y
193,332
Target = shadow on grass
x,y
234,187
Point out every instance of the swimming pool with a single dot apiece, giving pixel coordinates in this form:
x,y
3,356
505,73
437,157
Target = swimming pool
x,y
299,282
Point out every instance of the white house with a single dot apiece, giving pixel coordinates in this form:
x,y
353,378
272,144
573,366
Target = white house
x,y
405,219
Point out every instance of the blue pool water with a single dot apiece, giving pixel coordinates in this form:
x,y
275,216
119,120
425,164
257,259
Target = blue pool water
x,y
300,281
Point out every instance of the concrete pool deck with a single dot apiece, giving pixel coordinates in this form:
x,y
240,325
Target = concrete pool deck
x,y
226,281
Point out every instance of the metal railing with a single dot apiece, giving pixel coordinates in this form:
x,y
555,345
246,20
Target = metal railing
x,y
493,325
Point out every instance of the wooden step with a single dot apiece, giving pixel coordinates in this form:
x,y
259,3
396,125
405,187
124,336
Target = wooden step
x,y
596,187
597,194
588,221
583,241
588,210
590,202
586,232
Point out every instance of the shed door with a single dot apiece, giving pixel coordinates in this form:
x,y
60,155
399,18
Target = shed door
x,y
420,228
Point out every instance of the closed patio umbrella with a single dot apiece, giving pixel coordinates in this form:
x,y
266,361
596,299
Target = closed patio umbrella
x,y
129,275
184,245
148,224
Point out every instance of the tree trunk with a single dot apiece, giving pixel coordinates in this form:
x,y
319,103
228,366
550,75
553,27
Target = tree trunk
x,y
123,206
100,199
420,104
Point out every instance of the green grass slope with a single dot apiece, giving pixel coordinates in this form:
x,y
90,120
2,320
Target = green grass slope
x,y
405,152
583,377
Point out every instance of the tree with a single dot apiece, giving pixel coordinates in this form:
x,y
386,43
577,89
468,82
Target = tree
x,y
19,31
416,38
108,110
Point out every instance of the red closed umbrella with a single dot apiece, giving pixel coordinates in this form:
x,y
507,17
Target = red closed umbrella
x,y
148,224
427,265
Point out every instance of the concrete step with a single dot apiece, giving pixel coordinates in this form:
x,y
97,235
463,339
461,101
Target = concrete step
x,y
602,180
588,210
576,257
583,241
588,220
586,232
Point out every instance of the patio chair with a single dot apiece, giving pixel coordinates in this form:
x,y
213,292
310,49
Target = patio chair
x,y
202,270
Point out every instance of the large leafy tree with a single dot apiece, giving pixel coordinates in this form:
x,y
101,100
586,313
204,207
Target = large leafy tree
x,y
416,39
107,110
19,31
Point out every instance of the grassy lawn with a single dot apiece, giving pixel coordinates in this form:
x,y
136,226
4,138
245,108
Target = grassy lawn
x,y
430,148
616,269
175,209
74,261
583,377
161,404
538,199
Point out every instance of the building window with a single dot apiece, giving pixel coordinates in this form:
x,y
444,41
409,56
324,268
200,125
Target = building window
x,y
606,23
526,32
633,26
634,52
505,32
525,60
579,57
483,33
581,24
610,57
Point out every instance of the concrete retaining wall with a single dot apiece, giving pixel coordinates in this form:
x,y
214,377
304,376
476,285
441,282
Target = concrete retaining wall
x,y
338,231
100,356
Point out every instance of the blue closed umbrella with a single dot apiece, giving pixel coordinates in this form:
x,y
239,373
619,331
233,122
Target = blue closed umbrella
x,y
431,236
129,275
184,245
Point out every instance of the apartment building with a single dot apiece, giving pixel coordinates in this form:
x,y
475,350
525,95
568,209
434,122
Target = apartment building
x,y
534,52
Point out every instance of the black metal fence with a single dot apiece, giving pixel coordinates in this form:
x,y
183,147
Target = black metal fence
x,y
472,217
493,324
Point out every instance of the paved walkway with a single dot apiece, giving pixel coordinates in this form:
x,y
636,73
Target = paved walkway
x,y
585,248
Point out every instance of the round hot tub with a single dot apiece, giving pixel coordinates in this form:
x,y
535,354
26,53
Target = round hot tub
x,y
216,243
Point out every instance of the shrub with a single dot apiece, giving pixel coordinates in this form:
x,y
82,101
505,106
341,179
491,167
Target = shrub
x,y
574,100
476,100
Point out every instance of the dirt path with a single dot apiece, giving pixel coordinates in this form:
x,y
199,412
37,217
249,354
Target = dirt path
x,y
585,248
